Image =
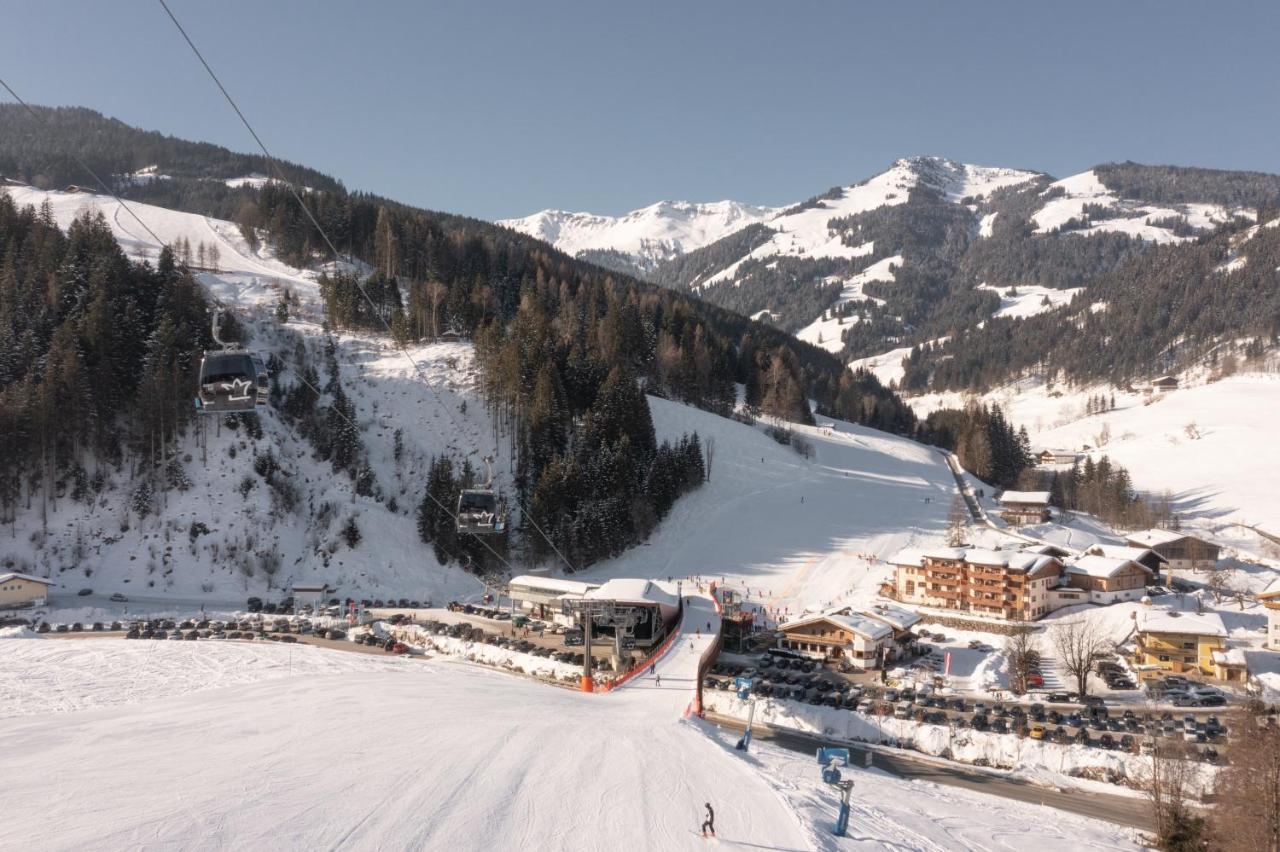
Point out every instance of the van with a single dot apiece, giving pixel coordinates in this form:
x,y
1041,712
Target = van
x,y
903,710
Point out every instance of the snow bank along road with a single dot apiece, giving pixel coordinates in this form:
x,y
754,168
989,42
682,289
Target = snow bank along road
x,y
370,754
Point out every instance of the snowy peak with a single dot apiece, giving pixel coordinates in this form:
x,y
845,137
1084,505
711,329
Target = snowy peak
x,y
959,181
647,236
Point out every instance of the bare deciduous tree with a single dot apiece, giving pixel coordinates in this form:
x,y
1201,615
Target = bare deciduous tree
x,y
1247,813
1023,649
1170,785
1077,645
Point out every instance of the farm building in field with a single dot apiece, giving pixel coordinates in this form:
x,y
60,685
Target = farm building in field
x,y
1025,507
1054,457
1164,384
23,590
1183,552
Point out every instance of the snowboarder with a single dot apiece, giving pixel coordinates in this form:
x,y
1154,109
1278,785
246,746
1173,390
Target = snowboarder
x,y
709,824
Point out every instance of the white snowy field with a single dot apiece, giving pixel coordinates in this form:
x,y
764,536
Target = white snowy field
x,y
1217,471
358,752
805,532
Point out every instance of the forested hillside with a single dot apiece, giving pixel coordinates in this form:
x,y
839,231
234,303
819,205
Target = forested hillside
x,y
96,358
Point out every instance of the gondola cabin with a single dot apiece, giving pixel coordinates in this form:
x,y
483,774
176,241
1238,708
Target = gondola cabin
x,y
480,513
231,381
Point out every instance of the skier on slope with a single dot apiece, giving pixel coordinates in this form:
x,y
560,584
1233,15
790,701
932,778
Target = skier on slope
x,y
709,824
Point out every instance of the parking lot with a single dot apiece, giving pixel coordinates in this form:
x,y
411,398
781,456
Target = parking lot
x,y
1054,717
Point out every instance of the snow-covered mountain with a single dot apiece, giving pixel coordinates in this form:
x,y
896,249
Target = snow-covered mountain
x,y
643,238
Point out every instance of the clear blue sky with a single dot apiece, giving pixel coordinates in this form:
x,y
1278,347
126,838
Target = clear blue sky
x,y
499,109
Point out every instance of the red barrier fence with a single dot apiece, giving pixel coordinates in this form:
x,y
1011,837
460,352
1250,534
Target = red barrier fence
x,y
708,657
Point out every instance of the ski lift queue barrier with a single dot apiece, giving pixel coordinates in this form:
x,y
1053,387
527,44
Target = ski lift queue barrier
x,y
657,654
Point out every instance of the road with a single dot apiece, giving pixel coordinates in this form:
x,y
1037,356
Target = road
x,y
1123,810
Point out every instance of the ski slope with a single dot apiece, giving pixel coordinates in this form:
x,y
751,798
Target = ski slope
x,y
364,752
803,531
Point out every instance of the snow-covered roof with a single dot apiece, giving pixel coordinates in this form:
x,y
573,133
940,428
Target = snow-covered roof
x,y
4,578
1150,538
1230,657
1121,551
1271,591
1189,623
945,553
1047,549
1037,497
1102,566
310,587
531,582
855,622
894,616
633,590
910,556
1029,563
984,556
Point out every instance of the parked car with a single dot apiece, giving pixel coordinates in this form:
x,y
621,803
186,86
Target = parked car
x,y
119,598
84,593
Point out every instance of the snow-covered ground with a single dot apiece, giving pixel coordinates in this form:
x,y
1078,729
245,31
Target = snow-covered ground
x,y
804,532
357,751
825,330
1027,300
249,542
1216,472
1128,217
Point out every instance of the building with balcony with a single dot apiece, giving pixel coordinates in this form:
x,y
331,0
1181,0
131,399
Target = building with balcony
x,y
1270,598
841,635
1004,584
1025,507
1181,643
1108,579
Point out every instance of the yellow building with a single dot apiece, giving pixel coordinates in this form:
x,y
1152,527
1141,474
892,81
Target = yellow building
x,y
19,590
1180,643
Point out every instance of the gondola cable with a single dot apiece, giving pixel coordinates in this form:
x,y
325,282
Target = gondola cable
x,y
337,256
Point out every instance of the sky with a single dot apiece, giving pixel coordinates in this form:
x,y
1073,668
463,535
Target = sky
x,y
499,109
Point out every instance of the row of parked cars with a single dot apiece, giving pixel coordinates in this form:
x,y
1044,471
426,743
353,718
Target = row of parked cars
x,y
477,634
1181,692
286,605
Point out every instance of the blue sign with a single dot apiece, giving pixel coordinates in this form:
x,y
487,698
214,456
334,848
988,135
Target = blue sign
x,y
827,755
743,685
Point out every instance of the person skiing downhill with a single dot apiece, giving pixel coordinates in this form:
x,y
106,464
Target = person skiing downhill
x,y
709,824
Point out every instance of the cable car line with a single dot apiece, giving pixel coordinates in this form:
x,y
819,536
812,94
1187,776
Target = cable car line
x,y
338,260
